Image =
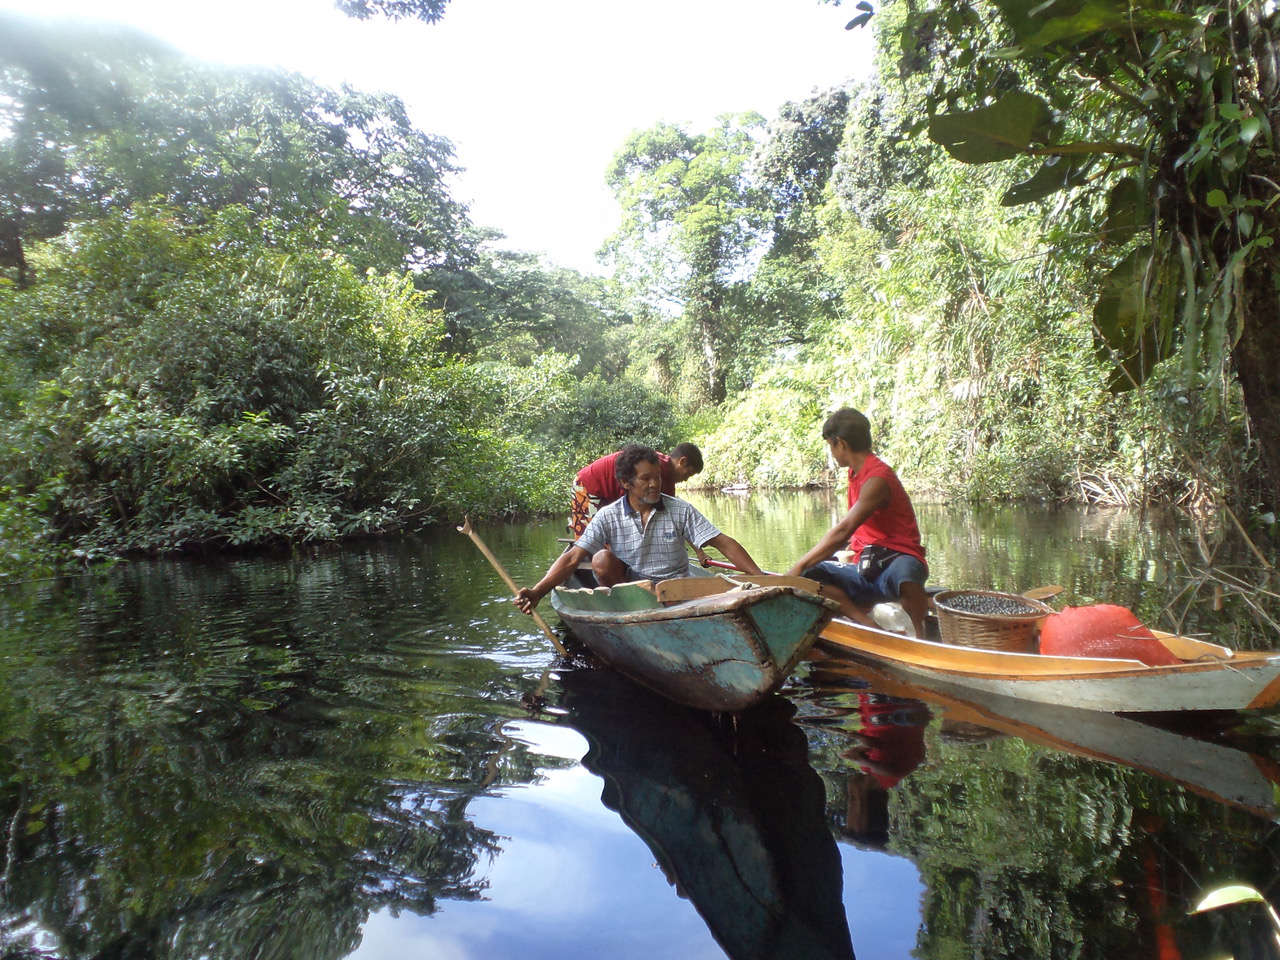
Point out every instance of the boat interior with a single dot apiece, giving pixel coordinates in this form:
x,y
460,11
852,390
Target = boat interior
x,y
646,595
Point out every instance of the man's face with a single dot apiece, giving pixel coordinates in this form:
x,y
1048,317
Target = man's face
x,y
681,470
646,485
840,452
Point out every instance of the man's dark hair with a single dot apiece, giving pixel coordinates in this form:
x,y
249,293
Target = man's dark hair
x,y
690,453
624,468
850,426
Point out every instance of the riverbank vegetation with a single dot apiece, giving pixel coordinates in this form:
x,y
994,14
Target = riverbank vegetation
x,y
240,308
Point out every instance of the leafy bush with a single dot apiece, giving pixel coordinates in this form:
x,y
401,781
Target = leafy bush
x,y
215,389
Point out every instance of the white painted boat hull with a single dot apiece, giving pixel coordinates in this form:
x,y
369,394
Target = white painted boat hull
x,y
1229,682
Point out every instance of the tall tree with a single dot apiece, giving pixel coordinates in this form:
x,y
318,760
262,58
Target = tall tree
x,y
692,216
102,119
1156,122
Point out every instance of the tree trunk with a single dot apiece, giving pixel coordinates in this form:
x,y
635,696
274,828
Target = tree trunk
x,y
705,306
1257,363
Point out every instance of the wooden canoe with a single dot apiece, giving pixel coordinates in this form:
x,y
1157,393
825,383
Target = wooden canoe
x,y
699,641
1211,677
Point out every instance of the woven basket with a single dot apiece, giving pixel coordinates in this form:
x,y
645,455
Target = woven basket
x,y
1012,633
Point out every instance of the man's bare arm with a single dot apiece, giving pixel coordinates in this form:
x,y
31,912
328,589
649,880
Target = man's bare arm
x,y
873,496
527,598
734,552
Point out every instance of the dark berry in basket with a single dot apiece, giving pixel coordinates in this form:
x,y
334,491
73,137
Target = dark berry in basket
x,y
981,603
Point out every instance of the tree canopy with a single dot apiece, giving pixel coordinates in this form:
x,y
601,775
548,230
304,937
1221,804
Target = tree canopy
x,y
1156,127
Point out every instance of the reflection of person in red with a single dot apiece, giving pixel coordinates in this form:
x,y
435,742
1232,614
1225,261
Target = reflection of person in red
x,y
891,741
888,745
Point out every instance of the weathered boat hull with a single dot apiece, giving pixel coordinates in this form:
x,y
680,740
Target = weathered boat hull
x,y
723,652
1229,681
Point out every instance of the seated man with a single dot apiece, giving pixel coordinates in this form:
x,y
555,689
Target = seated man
x,y
597,485
880,528
639,537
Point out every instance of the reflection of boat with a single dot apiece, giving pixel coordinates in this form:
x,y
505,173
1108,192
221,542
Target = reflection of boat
x,y
724,651
1215,769
732,811
1210,677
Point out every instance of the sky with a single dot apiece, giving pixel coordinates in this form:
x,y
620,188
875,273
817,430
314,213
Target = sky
x,y
536,95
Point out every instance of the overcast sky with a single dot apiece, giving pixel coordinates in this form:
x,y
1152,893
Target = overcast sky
x,y
536,95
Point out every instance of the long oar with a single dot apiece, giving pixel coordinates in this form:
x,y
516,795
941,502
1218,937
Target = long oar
x,y
515,590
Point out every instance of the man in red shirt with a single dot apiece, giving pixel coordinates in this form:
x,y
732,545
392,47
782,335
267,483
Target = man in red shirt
x,y
880,528
597,486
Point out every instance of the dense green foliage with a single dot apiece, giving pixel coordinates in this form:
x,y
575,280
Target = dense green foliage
x,y
1158,120
220,391
885,273
241,308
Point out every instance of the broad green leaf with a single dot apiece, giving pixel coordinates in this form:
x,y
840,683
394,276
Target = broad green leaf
x,y
1122,302
996,132
1054,175
1132,316
1127,212
1040,24
1216,198
1250,127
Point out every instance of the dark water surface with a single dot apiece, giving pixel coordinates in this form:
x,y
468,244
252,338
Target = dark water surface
x,y
368,752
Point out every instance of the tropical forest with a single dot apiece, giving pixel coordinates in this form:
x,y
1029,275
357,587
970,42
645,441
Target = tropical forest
x,y
240,308
266,352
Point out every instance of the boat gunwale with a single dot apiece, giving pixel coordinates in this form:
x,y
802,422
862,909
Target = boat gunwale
x,y
1010,665
729,603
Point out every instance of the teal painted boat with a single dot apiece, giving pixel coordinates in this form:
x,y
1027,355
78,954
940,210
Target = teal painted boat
x,y
713,643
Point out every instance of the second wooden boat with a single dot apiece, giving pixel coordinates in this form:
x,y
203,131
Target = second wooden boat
x,y
1210,677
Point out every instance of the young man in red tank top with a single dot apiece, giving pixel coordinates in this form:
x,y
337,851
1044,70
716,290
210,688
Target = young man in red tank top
x,y
880,529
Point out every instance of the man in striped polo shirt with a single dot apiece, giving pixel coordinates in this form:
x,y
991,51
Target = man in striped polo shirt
x,y
639,537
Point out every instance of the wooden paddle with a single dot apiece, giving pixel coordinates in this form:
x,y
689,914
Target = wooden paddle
x,y
506,577
1043,594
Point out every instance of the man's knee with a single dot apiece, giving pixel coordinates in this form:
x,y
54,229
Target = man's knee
x,y
607,567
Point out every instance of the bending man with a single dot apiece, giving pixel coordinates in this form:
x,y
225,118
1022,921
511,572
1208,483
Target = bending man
x,y
880,528
597,483
639,537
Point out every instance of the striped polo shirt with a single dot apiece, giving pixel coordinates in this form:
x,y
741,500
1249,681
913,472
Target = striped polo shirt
x,y
655,550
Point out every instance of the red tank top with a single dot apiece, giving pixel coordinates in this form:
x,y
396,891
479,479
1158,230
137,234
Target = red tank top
x,y
894,524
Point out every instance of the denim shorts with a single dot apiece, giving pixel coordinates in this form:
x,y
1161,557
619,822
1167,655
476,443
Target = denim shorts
x,y
887,586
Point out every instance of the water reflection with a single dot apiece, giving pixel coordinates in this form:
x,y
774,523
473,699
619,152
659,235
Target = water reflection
x,y
1028,846
242,759
730,808
326,753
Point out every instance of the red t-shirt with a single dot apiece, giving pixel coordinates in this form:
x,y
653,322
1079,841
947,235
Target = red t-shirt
x,y
598,479
894,524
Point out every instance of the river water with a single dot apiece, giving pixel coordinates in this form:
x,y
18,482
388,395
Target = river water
x,y
367,752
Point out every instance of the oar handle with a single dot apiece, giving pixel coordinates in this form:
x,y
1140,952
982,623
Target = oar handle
x,y
506,577
725,565
1042,593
